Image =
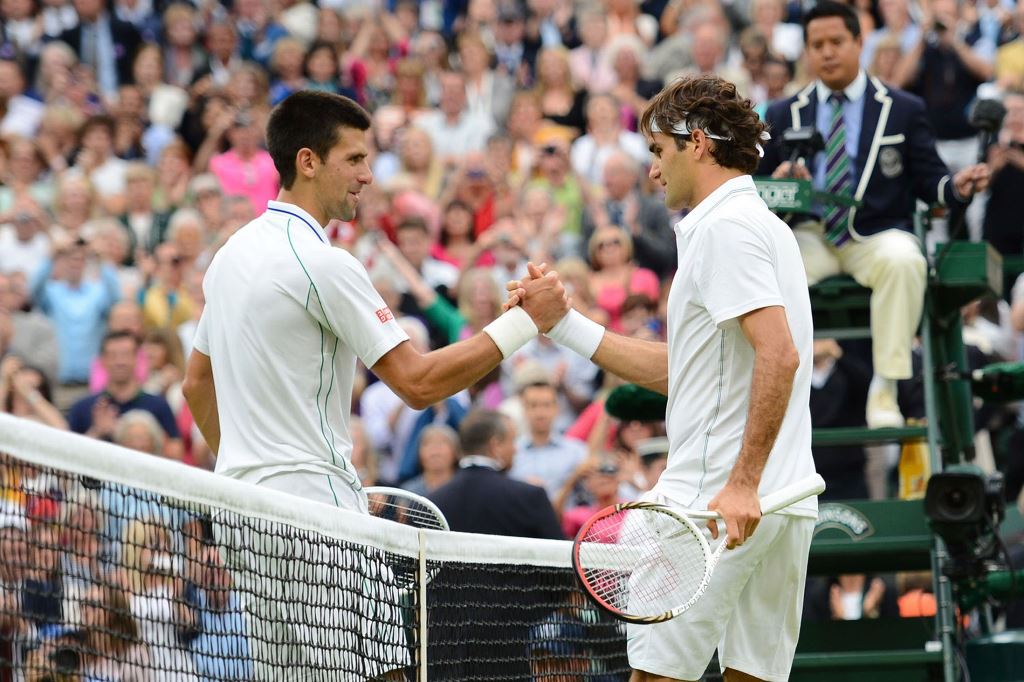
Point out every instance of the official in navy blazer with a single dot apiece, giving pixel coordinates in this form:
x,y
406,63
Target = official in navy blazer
x,y
879,150
481,498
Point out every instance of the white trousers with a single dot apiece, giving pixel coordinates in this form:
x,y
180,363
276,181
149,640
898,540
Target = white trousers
x,y
892,266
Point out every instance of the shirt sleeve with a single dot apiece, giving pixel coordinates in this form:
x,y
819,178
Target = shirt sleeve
x,y
736,273
201,339
343,299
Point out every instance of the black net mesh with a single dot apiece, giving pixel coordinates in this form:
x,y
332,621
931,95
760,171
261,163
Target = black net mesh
x,y
103,582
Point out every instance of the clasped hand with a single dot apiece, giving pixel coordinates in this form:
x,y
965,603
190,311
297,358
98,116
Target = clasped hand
x,y
542,296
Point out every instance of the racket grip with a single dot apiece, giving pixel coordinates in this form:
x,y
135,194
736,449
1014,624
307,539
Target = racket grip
x,y
792,493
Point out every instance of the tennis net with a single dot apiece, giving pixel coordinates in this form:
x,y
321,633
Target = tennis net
x,y
117,566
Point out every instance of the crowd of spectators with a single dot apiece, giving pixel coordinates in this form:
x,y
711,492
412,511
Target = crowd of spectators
x,y
131,149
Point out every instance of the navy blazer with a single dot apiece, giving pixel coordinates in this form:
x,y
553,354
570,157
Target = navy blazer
x,y
479,499
126,41
896,158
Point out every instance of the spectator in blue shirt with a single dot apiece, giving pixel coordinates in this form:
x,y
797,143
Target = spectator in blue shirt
x,y
543,457
77,306
96,414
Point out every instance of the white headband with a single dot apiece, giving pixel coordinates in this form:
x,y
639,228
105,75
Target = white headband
x,y
683,129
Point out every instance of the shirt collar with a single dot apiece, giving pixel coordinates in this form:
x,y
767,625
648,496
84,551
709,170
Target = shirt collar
x,y
854,91
479,461
286,210
741,184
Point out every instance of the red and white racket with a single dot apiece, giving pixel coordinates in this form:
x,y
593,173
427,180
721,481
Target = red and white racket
x,y
644,562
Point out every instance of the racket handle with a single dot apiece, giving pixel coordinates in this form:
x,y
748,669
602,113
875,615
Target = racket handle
x,y
780,499
792,493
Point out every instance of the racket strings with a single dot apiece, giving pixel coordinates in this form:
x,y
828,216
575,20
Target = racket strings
x,y
643,561
404,510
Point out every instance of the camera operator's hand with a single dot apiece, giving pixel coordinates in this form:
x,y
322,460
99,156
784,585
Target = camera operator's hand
x,y
971,180
796,170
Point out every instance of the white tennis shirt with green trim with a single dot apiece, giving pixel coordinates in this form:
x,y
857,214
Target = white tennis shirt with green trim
x,y
735,256
286,316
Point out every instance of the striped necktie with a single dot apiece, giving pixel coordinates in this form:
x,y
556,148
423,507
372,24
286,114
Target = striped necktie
x,y
838,179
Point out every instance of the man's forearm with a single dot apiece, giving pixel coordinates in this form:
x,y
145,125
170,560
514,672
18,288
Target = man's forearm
x,y
636,360
207,418
770,390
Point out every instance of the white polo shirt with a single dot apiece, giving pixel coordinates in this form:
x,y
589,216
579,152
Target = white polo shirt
x,y
286,317
735,256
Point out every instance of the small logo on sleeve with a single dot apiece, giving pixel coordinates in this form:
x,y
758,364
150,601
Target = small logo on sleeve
x,y
384,314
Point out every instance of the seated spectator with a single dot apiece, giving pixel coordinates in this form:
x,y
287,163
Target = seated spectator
x,y
27,175
1010,57
897,25
164,301
156,590
453,128
139,430
785,39
112,647
110,61
439,455
589,64
25,393
286,65
560,102
21,115
24,242
146,227
76,204
97,161
1002,227
488,91
96,415
615,275
631,89
643,216
543,456
220,650
166,364
604,136
125,316
420,169
600,479
33,338
554,173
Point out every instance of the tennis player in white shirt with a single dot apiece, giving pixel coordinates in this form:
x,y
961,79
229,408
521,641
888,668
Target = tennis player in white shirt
x,y
286,317
736,370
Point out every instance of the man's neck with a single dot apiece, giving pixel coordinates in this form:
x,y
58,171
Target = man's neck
x,y
710,179
123,392
297,196
540,437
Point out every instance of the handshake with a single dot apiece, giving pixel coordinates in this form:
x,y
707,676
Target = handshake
x,y
539,304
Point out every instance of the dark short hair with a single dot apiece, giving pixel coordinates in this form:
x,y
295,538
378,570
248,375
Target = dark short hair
x,y
309,119
829,8
97,121
413,222
713,105
110,337
479,427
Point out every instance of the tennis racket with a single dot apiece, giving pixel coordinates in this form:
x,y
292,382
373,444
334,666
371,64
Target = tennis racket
x,y
644,562
402,506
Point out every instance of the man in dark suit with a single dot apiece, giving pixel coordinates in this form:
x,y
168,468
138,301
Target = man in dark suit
x,y
481,498
879,151
501,605
103,42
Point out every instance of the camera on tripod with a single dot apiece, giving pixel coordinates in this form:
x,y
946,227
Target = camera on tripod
x,y
964,507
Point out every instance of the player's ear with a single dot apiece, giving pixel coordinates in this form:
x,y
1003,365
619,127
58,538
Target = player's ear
x,y
306,163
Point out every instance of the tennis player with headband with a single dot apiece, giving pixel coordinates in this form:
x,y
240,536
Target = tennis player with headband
x,y
270,379
737,373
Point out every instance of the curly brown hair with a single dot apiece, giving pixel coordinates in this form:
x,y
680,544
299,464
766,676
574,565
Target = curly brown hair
x,y
713,105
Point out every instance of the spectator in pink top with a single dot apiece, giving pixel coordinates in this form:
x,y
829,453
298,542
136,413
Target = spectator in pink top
x,y
246,168
615,274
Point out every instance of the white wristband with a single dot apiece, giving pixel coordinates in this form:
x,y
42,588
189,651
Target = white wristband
x,y
511,331
578,333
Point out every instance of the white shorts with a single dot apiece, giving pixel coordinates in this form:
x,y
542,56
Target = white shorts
x,y
750,612
320,487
